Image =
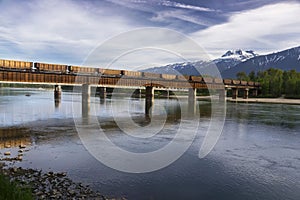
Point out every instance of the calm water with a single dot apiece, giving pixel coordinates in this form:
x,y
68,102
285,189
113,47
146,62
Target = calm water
x,y
256,157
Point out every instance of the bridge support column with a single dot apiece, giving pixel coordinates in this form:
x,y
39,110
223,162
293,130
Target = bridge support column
x,y
222,94
102,92
192,94
137,93
254,93
86,92
246,93
149,100
57,92
234,93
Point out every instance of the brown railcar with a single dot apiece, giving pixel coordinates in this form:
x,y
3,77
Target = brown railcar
x,y
183,77
14,64
131,73
227,81
236,82
111,72
243,82
218,80
82,70
208,79
46,67
150,75
168,76
197,78
251,83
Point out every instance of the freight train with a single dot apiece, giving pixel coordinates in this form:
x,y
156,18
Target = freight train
x,y
79,70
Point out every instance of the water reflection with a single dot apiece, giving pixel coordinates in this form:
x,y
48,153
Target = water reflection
x,y
14,137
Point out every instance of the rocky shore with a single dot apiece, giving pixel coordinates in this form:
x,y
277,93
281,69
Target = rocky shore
x,y
49,185
43,185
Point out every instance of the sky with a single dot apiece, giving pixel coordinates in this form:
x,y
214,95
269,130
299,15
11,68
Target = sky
x,y
76,32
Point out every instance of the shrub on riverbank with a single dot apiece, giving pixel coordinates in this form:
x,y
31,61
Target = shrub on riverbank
x,y
11,191
275,82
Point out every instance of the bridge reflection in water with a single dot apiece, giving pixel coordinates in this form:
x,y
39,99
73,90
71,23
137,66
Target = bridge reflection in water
x,y
13,137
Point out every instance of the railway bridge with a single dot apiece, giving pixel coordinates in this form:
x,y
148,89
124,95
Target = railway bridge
x,y
59,75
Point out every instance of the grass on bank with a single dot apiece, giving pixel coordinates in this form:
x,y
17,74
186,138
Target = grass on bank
x,y
11,191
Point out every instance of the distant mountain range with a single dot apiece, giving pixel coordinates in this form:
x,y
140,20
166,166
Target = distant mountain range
x,y
235,61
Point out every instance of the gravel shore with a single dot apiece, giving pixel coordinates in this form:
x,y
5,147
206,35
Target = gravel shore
x,y
49,185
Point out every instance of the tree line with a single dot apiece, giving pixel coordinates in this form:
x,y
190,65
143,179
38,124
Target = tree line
x,y
275,82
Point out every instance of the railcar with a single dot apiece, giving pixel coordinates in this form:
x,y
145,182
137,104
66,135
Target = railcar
x,y
168,76
243,82
218,80
236,82
150,75
208,79
250,83
82,70
46,67
196,78
227,81
14,64
183,77
110,72
131,73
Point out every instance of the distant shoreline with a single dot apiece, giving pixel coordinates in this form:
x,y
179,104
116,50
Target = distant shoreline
x,y
266,100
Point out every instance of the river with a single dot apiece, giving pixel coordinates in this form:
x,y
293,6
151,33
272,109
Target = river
x,y
256,157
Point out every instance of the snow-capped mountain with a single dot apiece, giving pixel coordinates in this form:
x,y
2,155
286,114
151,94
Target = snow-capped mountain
x,y
239,55
285,60
235,61
225,62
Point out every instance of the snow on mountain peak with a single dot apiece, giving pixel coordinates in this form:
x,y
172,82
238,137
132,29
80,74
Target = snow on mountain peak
x,y
239,54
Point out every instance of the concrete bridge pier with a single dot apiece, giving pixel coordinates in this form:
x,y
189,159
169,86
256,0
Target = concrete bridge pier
x,y
192,94
57,92
149,100
222,94
246,93
102,92
137,93
234,93
254,93
86,93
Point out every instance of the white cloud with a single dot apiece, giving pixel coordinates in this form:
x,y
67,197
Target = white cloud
x,y
185,6
65,27
265,29
169,16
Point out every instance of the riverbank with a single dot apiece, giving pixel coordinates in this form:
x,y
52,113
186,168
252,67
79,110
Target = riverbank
x,y
48,185
266,100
